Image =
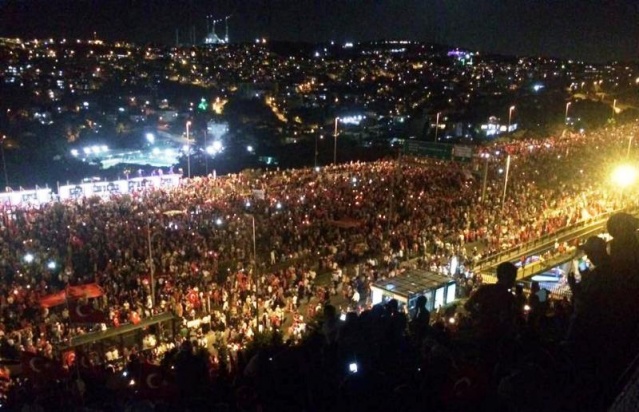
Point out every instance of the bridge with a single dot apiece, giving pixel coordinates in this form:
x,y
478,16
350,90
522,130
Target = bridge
x,y
545,248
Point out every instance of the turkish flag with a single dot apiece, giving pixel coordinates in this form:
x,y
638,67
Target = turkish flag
x,y
41,368
53,299
153,383
152,377
85,313
193,298
87,368
68,358
134,317
89,290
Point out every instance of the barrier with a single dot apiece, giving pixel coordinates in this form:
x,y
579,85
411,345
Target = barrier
x,y
522,249
107,189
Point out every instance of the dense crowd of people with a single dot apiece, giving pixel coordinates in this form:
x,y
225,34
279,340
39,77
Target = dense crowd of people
x,y
245,249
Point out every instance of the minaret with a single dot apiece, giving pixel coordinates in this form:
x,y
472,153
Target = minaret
x,y
226,37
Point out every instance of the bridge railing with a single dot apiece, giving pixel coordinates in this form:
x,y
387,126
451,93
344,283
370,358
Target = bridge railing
x,y
518,250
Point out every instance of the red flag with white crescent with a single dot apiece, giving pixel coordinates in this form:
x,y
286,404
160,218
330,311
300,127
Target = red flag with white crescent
x,y
87,367
40,367
154,383
85,313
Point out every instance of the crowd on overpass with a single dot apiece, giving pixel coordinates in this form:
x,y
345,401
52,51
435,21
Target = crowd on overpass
x,y
252,242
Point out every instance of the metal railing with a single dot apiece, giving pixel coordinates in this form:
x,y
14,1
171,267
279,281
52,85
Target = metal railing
x,y
548,239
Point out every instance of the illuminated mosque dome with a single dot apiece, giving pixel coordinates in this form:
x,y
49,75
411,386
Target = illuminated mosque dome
x,y
213,38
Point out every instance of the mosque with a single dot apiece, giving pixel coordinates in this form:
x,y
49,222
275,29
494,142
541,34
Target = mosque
x,y
212,38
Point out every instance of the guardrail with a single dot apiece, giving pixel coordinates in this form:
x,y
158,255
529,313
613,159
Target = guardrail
x,y
541,266
547,240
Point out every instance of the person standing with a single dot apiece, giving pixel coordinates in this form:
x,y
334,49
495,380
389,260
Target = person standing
x,y
492,307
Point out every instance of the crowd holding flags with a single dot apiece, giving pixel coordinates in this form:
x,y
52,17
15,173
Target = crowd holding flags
x,y
143,380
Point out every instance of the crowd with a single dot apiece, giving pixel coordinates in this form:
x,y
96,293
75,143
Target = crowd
x,y
245,249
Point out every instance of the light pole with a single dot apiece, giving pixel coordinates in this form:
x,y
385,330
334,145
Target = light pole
x,y
614,108
257,277
510,117
206,158
503,197
4,163
624,176
566,115
485,178
188,149
151,264
629,146
335,146
316,152
437,125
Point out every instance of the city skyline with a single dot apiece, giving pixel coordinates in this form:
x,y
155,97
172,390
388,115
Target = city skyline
x,y
586,30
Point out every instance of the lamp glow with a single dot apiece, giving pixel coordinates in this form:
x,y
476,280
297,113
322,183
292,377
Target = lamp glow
x,y
624,175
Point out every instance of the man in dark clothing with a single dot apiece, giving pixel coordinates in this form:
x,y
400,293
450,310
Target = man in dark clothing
x,y
420,323
602,330
492,307
592,280
624,247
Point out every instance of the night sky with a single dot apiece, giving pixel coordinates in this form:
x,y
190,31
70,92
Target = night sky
x,y
592,30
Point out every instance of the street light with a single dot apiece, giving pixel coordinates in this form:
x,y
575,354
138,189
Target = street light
x,y
316,152
624,175
335,147
188,150
257,277
614,108
206,158
4,163
485,178
503,198
566,115
510,117
629,146
151,264
437,125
